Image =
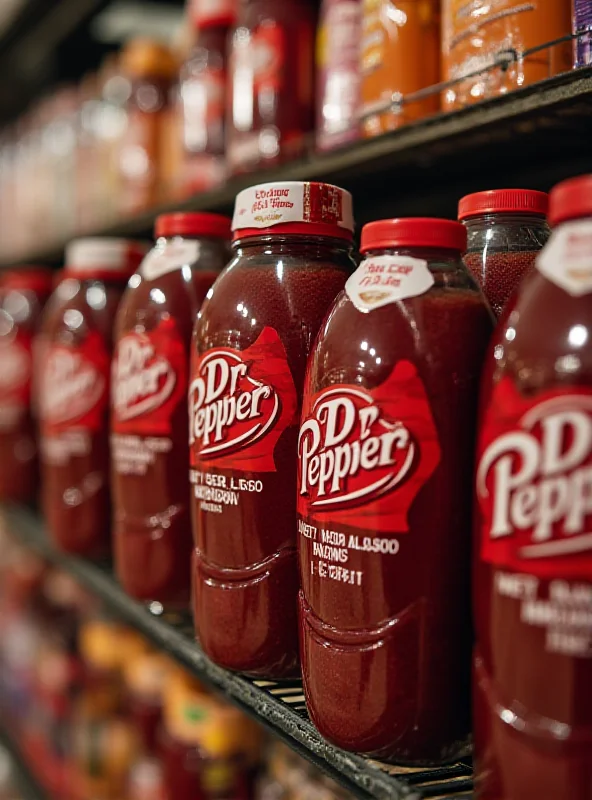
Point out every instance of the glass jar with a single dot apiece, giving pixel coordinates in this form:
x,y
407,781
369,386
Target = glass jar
x,y
203,104
271,105
76,339
23,294
385,458
252,338
506,230
152,70
399,56
474,35
532,576
150,457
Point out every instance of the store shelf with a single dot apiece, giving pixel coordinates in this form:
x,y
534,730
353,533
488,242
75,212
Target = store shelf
x,y
44,43
280,707
533,136
26,783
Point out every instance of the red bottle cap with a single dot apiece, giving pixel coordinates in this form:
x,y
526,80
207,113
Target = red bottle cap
x,y
108,259
33,279
293,208
214,226
414,232
571,199
504,201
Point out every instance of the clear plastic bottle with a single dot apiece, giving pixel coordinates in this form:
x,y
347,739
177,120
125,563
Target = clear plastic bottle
x,y
150,455
23,294
76,340
252,338
385,458
532,575
506,230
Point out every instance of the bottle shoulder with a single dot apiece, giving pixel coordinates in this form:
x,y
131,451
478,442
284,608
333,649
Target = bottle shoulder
x,y
545,337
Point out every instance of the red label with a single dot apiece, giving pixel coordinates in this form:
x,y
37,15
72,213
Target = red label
x,y
15,376
267,50
240,402
534,481
363,455
75,385
149,380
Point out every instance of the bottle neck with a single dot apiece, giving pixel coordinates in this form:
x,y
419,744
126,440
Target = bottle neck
x,y
438,259
292,245
525,220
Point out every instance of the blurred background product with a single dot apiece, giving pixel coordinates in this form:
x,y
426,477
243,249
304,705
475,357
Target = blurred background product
x,y
271,104
99,713
582,25
399,56
477,34
74,392
338,72
23,293
144,164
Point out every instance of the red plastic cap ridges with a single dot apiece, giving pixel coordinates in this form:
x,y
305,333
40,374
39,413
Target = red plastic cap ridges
x,y
193,225
504,201
414,232
571,199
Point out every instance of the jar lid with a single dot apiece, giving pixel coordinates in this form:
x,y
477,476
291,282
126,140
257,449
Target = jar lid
x,y
571,199
504,201
414,232
104,258
34,279
215,226
295,208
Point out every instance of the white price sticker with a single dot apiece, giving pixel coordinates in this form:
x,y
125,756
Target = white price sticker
x,y
380,280
566,260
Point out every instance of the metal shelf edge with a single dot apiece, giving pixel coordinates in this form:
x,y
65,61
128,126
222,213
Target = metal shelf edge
x,y
371,156
353,772
24,778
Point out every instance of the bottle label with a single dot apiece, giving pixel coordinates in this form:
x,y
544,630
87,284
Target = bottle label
x,y
380,280
363,455
567,258
15,378
267,50
174,255
293,201
240,402
74,385
149,379
534,481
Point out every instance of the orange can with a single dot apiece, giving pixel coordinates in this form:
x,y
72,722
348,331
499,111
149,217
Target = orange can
x,y
476,32
399,56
